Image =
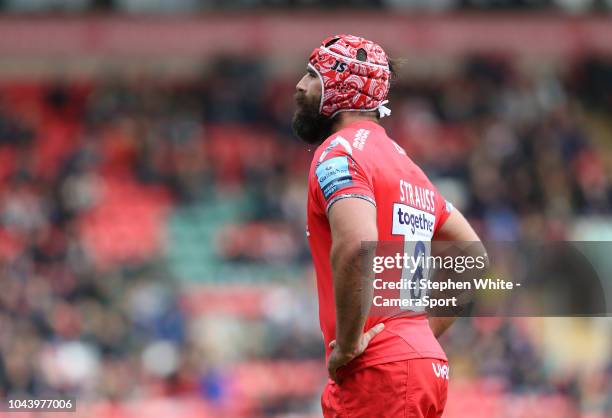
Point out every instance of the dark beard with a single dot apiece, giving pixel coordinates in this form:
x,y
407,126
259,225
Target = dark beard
x,y
308,124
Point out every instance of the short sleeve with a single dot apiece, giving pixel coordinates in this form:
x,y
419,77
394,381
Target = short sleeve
x,y
339,176
443,209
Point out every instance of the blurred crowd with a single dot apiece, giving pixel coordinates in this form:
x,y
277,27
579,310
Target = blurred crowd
x,y
190,6
520,154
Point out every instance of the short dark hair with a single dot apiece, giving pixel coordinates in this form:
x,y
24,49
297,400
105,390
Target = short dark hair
x,y
394,65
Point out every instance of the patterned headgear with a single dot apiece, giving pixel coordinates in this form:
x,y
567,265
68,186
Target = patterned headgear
x,y
354,75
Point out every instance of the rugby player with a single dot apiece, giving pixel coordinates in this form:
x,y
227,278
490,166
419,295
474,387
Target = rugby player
x,y
364,187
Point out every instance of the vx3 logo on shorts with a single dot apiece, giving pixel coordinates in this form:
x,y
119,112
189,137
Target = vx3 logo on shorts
x,y
440,370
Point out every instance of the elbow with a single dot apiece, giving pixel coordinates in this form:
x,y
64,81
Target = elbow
x,y
342,253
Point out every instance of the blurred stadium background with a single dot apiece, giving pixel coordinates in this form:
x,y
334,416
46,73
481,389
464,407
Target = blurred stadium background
x,y
153,259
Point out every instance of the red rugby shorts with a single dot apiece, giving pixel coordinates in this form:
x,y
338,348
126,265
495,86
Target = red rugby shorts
x,y
414,388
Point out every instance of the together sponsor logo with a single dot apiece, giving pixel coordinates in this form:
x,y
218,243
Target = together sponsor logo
x,y
420,221
413,223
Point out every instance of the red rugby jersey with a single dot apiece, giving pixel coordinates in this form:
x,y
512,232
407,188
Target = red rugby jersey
x,y
361,161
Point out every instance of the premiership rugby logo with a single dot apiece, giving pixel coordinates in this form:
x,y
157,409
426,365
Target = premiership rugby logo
x,y
333,175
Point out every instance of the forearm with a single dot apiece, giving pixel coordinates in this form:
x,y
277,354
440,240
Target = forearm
x,y
439,325
456,238
351,292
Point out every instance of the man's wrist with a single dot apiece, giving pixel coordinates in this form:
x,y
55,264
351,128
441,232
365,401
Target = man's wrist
x,y
346,349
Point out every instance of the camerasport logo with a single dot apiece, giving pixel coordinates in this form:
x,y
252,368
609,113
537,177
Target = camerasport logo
x,y
413,223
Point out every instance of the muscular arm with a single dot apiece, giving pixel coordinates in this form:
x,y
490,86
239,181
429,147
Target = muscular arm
x,y
352,221
455,229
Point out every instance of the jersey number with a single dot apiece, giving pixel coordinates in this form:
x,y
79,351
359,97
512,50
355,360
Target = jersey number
x,y
417,246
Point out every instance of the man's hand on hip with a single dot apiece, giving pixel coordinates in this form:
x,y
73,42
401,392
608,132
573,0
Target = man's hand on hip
x,y
341,355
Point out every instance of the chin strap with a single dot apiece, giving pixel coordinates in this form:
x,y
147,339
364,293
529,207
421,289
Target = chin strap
x,y
383,110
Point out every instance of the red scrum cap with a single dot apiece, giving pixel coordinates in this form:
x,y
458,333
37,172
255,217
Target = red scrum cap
x,y
354,75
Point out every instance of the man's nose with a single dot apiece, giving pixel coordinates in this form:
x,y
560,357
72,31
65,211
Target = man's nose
x,y
301,85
